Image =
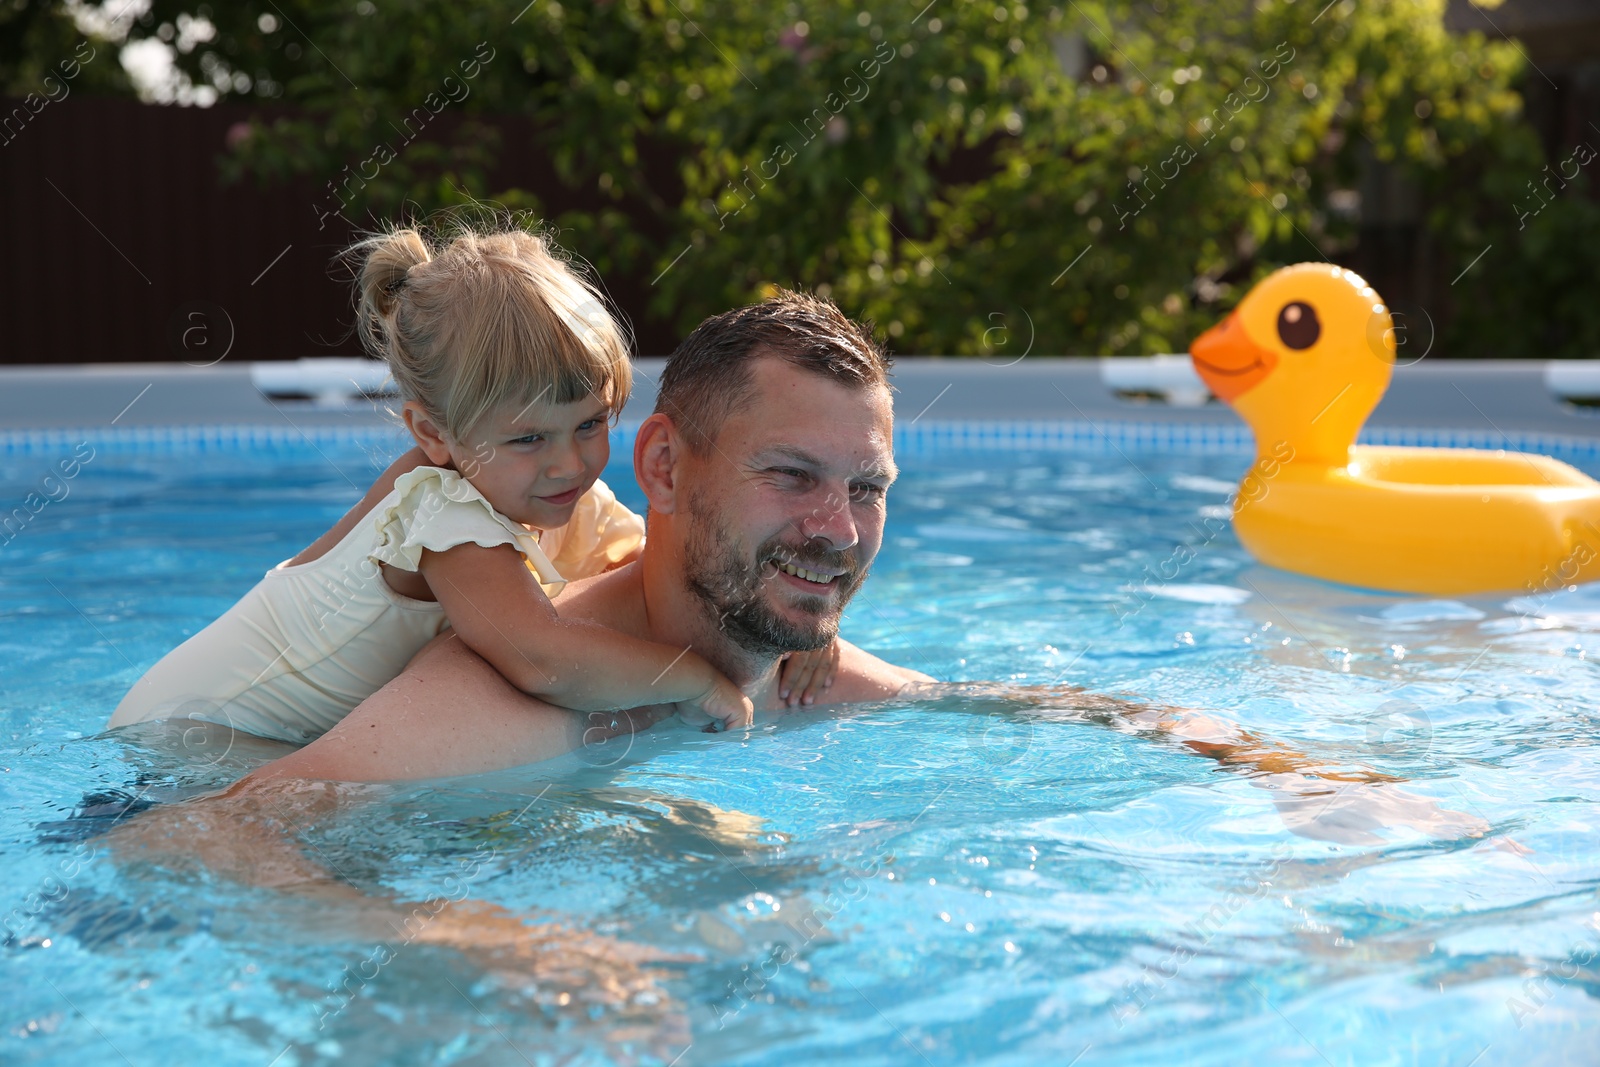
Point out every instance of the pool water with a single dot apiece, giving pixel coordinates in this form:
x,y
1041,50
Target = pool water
x,y
965,879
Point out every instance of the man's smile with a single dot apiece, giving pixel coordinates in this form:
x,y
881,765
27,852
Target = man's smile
x,y
817,572
807,577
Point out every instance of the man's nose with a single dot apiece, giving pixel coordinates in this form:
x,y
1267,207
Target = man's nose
x,y
832,521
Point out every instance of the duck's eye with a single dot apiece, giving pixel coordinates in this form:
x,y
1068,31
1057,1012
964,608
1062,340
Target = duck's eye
x,y
1298,326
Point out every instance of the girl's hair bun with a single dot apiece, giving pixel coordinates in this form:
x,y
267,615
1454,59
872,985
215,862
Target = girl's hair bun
x,y
386,260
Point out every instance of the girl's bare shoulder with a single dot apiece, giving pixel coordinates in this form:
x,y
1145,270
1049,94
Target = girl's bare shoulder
x,y
381,487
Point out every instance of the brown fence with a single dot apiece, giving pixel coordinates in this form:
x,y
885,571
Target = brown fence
x,y
121,244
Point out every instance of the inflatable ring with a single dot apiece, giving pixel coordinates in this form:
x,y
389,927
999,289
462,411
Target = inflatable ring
x,y
1304,359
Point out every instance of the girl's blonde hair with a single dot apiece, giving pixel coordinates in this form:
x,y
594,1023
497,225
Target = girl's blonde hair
x,y
476,318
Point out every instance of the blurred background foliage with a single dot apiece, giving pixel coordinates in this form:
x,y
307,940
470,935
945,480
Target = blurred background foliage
x,y
979,177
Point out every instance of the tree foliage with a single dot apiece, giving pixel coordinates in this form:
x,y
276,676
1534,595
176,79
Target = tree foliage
x,y
978,176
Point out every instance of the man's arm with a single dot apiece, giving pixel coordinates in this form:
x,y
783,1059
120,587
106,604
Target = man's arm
x,y
1315,798
863,677
250,835
449,712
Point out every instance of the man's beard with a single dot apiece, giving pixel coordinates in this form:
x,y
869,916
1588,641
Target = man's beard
x,y
730,586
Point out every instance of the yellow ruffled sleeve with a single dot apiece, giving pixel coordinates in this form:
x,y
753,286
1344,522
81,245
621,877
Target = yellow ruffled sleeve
x,y
434,509
602,533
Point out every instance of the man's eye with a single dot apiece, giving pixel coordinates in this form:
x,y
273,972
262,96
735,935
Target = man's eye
x,y
789,472
532,438
589,424
868,491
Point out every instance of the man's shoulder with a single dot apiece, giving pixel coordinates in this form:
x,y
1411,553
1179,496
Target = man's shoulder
x,y
613,599
863,677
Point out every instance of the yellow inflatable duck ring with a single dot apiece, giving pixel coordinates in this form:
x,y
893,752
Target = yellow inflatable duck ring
x,y
1304,359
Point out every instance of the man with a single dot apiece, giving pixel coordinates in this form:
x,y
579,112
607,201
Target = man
x,y
765,466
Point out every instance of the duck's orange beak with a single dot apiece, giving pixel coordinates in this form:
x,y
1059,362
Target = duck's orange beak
x,y
1228,361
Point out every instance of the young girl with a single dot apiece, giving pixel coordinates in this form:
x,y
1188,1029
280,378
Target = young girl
x,y
511,371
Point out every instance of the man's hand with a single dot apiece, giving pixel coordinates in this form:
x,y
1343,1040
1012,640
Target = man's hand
x,y
804,676
1355,813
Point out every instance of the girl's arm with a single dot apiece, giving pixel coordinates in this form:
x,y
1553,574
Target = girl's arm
x,y
497,608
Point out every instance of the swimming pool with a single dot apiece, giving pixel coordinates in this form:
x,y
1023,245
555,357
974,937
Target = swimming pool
x,y
938,882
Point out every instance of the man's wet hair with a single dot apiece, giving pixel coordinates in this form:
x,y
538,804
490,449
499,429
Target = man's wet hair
x,y
709,375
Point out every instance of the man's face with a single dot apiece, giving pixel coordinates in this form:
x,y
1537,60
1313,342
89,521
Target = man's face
x,y
785,514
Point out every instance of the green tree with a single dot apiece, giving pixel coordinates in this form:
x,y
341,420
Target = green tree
x,y
39,43
979,176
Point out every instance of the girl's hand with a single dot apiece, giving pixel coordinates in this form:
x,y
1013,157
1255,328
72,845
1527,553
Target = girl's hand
x,y
804,675
722,706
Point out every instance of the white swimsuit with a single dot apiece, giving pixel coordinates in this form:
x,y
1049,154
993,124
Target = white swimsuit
x,y
312,641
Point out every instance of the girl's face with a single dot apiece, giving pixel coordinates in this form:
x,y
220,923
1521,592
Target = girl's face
x,y
533,461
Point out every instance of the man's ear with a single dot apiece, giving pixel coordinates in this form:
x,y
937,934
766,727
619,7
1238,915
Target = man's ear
x,y
428,435
657,452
